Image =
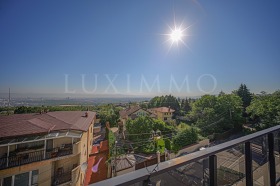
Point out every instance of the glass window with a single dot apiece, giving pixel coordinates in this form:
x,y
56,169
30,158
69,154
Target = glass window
x,y
22,179
7,181
34,178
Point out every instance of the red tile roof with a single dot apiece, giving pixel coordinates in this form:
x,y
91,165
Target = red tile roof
x,y
162,109
28,124
129,112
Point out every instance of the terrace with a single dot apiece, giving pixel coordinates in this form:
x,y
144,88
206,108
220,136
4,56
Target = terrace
x,y
249,160
20,151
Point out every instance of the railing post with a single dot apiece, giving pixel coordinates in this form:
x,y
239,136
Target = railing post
x,y
45,148
213,170
8,154
272,171
248,164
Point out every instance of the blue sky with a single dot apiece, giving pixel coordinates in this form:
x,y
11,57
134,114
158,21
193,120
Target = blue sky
x,y
229,43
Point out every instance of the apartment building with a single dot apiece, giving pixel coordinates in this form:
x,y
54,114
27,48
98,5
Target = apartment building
x,y
45,149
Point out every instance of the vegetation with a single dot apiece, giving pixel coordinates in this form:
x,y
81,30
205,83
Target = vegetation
x,y
244,93
108,113
184,138
165,101
265,110
143,129
217,113
160,145
111,141
146,126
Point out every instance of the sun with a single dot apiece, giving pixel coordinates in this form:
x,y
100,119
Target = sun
x,y
176,35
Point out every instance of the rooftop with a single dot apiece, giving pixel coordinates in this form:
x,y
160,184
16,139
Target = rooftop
x,y
131,110
29,124
162,109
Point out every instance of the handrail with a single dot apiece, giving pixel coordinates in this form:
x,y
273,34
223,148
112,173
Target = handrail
x,y
143,174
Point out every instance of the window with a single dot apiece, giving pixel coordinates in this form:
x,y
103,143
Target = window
x,y
164,118
7,181
24,179
34,178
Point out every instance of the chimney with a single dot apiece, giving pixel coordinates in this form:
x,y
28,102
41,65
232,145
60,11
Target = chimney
x,y
169,109
86,114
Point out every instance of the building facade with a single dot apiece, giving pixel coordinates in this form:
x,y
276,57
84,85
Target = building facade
x,y
45,149
163,113
134,112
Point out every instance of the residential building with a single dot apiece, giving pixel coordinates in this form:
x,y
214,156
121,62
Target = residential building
x,y
163,113
134,112
45,149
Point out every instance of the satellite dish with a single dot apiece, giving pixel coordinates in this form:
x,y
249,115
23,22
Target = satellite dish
x,y
84,167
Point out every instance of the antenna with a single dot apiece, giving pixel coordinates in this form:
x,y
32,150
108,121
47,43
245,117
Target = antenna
x,y
9,98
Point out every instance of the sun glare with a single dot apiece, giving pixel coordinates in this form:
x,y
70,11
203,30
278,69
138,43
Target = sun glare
x,y
176,35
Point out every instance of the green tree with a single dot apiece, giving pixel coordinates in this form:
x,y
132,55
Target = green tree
x,y
244,93
184,138
109,113
167,143
265,110
141,125
185,105
217,114
165,101
146,125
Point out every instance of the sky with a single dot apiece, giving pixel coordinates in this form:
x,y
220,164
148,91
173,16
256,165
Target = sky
x,y
95,48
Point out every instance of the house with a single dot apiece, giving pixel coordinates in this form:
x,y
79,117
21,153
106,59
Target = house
x,y
134,112
45,149
163,113
127,163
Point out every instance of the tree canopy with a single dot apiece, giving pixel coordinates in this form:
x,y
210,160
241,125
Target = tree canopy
x,y
184,138
217,114
165,101
244,93
265,110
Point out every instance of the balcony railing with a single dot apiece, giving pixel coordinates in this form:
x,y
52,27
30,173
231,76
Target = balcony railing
x,y
62,178
249,160
21,158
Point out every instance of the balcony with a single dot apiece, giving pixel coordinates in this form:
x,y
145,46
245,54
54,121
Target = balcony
x,y
26,157
249,160
77,148
62,178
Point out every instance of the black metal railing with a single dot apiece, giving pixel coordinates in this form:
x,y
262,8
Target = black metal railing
x,y
21,158
242,161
